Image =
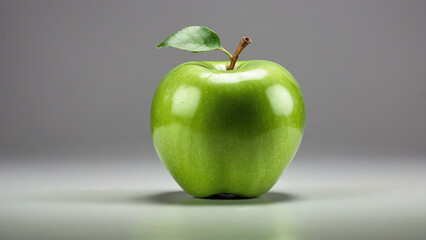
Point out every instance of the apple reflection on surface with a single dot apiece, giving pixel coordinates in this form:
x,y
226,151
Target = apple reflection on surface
x,y
185,217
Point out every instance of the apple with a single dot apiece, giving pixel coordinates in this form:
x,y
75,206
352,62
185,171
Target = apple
x,y
227,131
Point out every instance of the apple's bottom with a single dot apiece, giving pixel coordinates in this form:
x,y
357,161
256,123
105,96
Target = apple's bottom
x,y
208,164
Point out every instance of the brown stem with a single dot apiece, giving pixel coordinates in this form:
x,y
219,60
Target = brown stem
x,y
243,43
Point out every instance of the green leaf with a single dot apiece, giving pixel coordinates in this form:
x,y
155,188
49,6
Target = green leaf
x,y
194,39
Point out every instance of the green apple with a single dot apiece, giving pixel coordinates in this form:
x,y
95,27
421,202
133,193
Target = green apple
x,y
218,130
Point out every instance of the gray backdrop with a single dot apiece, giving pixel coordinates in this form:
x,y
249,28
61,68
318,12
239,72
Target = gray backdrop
x,y
79,76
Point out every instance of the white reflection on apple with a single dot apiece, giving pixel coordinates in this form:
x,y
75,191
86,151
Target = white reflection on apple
x,y
185,101
280,99
234,77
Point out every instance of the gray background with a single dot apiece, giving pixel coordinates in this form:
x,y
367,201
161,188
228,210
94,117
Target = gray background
x,y
80,75
76,83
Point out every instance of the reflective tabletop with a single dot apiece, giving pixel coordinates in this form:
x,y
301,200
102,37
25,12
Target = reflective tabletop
x,y
132,198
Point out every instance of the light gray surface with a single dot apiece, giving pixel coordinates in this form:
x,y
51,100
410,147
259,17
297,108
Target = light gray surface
x,y
126,198
75,75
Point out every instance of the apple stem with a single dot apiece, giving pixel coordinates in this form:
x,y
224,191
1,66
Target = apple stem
x,y
243,43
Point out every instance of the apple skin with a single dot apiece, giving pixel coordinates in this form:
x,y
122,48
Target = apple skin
x,y
234,132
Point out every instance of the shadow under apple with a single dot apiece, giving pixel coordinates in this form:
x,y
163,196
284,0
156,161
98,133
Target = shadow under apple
x,y
184,199
177,198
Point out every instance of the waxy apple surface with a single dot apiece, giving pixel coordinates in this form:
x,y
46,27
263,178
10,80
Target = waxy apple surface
x,y
227,131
